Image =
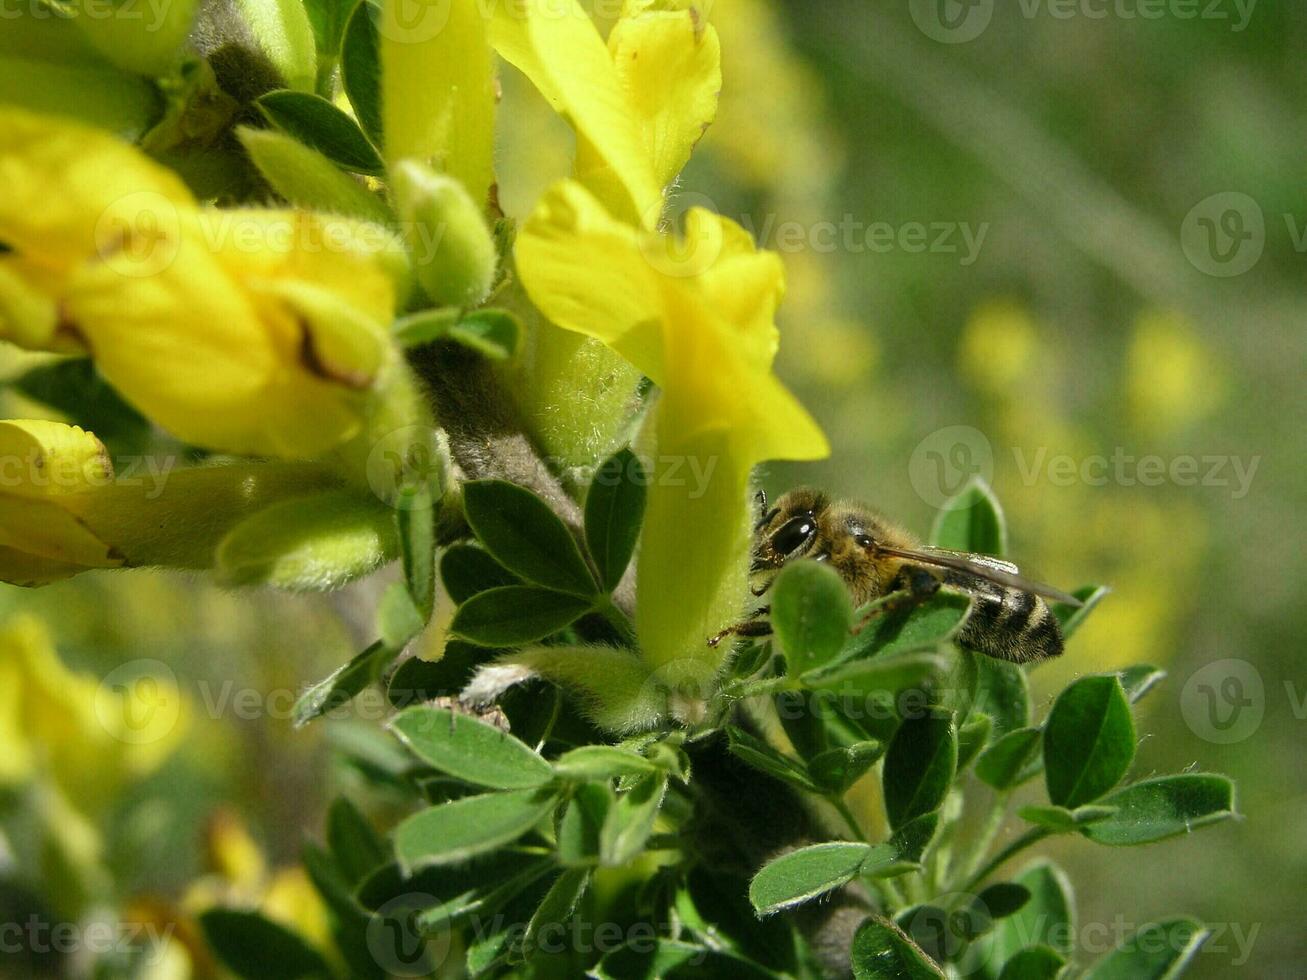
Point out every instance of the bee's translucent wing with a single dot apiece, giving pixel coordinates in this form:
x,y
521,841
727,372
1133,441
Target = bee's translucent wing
x,y
982,566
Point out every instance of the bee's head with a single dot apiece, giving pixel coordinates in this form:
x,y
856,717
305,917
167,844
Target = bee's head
x,y
788,529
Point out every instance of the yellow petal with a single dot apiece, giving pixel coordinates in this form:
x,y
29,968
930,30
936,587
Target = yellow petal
x,y
557,46
669,63
73,194
438,88
615,299
44,542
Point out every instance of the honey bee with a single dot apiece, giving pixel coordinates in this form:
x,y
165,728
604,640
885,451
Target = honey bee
x,y
1009,618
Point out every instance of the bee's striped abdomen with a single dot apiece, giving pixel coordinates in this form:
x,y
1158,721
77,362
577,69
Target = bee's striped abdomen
x,y
1010,624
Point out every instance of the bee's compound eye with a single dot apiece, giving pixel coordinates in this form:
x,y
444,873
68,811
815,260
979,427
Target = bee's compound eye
x,y
794,534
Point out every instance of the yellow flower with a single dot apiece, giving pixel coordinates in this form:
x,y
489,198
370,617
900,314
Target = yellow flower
x,y
638,104
256,332
90,739
695,314
44,467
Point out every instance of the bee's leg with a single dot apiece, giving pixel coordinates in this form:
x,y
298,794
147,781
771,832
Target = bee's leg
x,y
915,585
754,626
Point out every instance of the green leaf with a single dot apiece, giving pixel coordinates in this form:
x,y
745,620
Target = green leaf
x,y
597,762
469,749
765,758
614,510
525,536
582,823
308,179
1003,694
923,626
453,832
1167,806
558,906
631,819
398,617
1089,741
811,614
417,680
1158,951
496,334
1006,763
1071,618
416,519
919,768
466,570
1060,820
1048,918
806,873
356,847
880,675
1004,899
881,951
340,687
911,840
321,126
972,521
1140,679
1034,963
835,770
360,69
971,739
314,543
257,948
516,614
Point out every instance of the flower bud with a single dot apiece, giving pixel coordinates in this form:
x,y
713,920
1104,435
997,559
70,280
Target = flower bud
x,y
44,468
453,251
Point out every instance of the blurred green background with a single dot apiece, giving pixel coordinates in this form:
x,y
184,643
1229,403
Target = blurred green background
x,y
1046,234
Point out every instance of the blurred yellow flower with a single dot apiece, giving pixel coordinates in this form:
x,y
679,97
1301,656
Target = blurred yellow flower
x,y
1172,379
257,332
89,738
998,347
696,315
43,467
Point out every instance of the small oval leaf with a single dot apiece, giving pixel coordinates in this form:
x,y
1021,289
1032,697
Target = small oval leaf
x,y
514,615
919,768
972,521
1168,806
1089,741
453,832
469,749
614,510
882,951
525,536
811,614
803,875
1158,951
318,124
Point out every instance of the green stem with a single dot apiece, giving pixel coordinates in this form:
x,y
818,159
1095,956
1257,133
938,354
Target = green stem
x,y
1032,836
